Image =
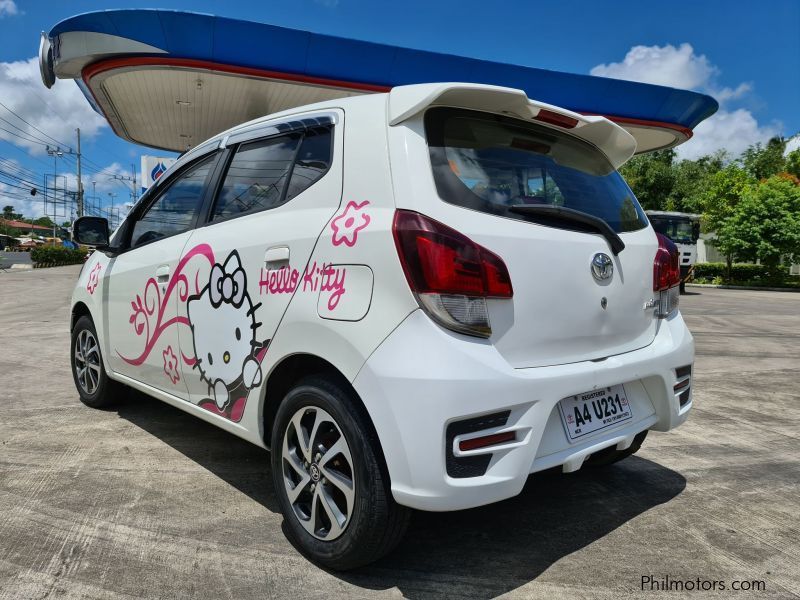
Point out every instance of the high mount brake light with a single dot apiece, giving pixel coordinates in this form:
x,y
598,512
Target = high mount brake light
x,y
451,275
553,118
666,276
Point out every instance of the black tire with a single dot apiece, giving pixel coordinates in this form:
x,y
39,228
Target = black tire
x,y
609,456
376,523
105,391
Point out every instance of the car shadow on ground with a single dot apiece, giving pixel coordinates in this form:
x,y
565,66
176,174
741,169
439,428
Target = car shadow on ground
x,y
477,553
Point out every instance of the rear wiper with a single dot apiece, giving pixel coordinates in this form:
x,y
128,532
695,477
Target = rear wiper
x,y
576,216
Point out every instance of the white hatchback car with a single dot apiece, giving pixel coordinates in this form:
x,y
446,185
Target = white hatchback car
x,y
415,299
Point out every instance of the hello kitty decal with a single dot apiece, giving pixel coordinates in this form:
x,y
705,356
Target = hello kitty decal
x,y
221,314
222,319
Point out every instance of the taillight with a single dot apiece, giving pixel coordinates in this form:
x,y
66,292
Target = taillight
x,y
666,276
450,274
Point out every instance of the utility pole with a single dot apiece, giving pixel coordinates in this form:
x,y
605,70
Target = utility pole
x,y
80,182
133,184
56,153
135,190
111,212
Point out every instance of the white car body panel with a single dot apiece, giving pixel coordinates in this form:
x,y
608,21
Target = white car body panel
x,y
413,376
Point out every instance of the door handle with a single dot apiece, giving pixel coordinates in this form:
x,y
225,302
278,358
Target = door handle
x,y
277,255
162,274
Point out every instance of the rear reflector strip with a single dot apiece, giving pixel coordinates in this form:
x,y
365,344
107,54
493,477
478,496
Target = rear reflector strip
x,y
682,387
681,384
486,440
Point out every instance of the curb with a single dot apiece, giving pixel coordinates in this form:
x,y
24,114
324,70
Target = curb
x,y
751,288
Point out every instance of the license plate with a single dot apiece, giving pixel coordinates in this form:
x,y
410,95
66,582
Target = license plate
x,y
588,412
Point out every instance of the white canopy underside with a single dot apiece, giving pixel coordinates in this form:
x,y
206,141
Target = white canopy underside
x,y
176,108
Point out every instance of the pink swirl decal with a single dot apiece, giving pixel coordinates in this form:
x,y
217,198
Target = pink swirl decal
x,y
150,305
94,278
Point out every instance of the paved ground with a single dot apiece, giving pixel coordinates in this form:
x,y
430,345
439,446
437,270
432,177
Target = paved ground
x,y
145,501
11,258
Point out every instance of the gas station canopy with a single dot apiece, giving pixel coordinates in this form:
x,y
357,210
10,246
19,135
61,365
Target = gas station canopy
x,y
170,79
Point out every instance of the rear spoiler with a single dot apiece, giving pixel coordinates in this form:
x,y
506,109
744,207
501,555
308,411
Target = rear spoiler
x,y
613,140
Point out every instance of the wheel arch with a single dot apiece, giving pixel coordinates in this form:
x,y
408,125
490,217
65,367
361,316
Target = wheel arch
x,y
79,309
293,368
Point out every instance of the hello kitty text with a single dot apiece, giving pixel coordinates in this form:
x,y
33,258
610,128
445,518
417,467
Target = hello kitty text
x,y
323,278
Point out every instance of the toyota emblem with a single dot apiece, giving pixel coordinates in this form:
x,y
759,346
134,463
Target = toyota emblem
x,y
602,266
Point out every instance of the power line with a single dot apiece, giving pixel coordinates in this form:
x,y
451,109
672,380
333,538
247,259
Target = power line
x,y
15,134
34,126
23,131
19,169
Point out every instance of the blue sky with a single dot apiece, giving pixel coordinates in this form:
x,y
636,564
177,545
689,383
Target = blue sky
x,y
744,53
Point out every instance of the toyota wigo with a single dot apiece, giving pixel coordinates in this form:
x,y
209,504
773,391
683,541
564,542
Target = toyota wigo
x,y
414,299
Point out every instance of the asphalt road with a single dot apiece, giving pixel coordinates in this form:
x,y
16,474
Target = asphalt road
x,y
11,258
145,501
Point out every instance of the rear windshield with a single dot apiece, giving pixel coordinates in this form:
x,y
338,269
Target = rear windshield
x,y
490,163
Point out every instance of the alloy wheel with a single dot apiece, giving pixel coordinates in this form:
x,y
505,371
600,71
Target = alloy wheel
x,y
318,473
87,362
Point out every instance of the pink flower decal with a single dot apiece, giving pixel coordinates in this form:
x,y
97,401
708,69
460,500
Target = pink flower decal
x,y
94,278
347,225
171,365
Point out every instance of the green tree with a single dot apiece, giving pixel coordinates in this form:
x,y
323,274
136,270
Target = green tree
x,y
765,223
692,178
723,191
44,221
651,177
793,163
762,162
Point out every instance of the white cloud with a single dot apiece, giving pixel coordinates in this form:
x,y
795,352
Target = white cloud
x,y
56,112
663,65
680,67
8,8
732,131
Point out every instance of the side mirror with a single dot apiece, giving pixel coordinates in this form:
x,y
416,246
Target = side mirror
x,y
91,231
696,230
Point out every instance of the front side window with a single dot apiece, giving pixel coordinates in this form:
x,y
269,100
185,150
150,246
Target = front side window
x,y
257,176
491,163
174,211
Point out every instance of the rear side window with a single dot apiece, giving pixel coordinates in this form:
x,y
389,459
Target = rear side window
x,y
490,163
313,161
268,173
257,176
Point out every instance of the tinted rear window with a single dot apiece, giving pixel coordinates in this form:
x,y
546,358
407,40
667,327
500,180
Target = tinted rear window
x,y
489,163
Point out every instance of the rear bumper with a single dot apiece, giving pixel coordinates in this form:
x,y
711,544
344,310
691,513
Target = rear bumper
x,y
422,379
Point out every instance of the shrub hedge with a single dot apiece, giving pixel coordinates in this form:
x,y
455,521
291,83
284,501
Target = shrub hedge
x,y
56,256
741,274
